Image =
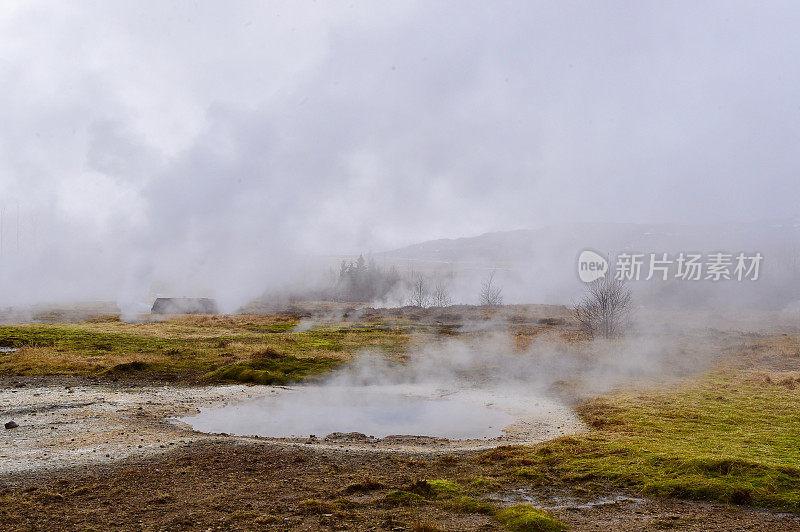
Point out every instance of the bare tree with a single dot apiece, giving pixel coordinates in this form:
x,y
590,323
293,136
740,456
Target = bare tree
x,y
605,308
441,295
491,294
420,294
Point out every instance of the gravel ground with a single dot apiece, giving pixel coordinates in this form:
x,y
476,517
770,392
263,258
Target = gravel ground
x,y
98,456
80,424
71,424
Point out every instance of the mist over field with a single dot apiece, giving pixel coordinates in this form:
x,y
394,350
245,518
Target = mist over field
x,y
233,150
423,266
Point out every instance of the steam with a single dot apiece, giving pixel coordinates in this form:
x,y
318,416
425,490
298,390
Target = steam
x,y
225,150
457,388
549,366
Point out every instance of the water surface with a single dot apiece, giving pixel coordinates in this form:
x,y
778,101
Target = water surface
x,y
373,411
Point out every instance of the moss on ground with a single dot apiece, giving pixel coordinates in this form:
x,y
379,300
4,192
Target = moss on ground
x,y
526,518
74,338
440,489
402,498
723,438
281,370
482,485
449,496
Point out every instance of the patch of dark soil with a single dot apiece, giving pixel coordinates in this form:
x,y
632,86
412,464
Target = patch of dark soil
x,y
232,485
136,365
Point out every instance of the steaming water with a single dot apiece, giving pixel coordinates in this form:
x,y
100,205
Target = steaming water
x,y
377,411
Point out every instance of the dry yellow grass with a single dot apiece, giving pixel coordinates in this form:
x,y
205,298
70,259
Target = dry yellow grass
x,y
181,347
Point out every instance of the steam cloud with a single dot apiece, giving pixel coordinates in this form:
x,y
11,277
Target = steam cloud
x,y
549,366
153,148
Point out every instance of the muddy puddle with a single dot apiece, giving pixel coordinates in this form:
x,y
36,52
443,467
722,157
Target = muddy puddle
x,y
562,501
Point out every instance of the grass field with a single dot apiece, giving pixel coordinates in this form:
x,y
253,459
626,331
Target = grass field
x,y
259,349
726,437
730,434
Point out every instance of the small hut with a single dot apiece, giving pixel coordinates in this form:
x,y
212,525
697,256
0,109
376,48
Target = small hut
x,y
184,305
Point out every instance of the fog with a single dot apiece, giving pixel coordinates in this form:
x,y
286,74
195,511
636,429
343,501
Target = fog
x,y
549,366
227,150
462,389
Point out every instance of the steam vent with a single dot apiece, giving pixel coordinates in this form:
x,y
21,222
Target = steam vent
x,y
184,305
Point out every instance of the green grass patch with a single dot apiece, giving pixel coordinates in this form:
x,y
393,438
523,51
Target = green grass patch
x,y
88,342
443,488
481,485
435,489
281,370
316,507
279,327
723,438
226,348
339,339
402,498
526,518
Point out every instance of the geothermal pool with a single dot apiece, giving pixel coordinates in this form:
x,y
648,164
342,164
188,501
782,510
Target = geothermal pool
x,y
379,411
101,423
373,411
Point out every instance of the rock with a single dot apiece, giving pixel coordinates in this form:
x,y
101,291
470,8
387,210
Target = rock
x,y
12,425
348,436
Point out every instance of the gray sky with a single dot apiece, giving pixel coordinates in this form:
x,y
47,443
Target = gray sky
x,y
210,141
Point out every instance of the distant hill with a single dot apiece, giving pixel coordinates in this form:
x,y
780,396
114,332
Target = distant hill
x,y
540,264
527,244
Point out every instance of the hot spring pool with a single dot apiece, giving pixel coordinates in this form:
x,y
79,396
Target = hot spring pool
x,y
370,410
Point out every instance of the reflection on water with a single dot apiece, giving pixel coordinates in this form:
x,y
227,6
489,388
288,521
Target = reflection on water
x,y
374,411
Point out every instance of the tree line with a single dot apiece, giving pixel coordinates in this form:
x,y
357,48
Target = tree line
x,y
365,280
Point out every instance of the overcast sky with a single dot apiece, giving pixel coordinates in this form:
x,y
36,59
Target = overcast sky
x,y
139,136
